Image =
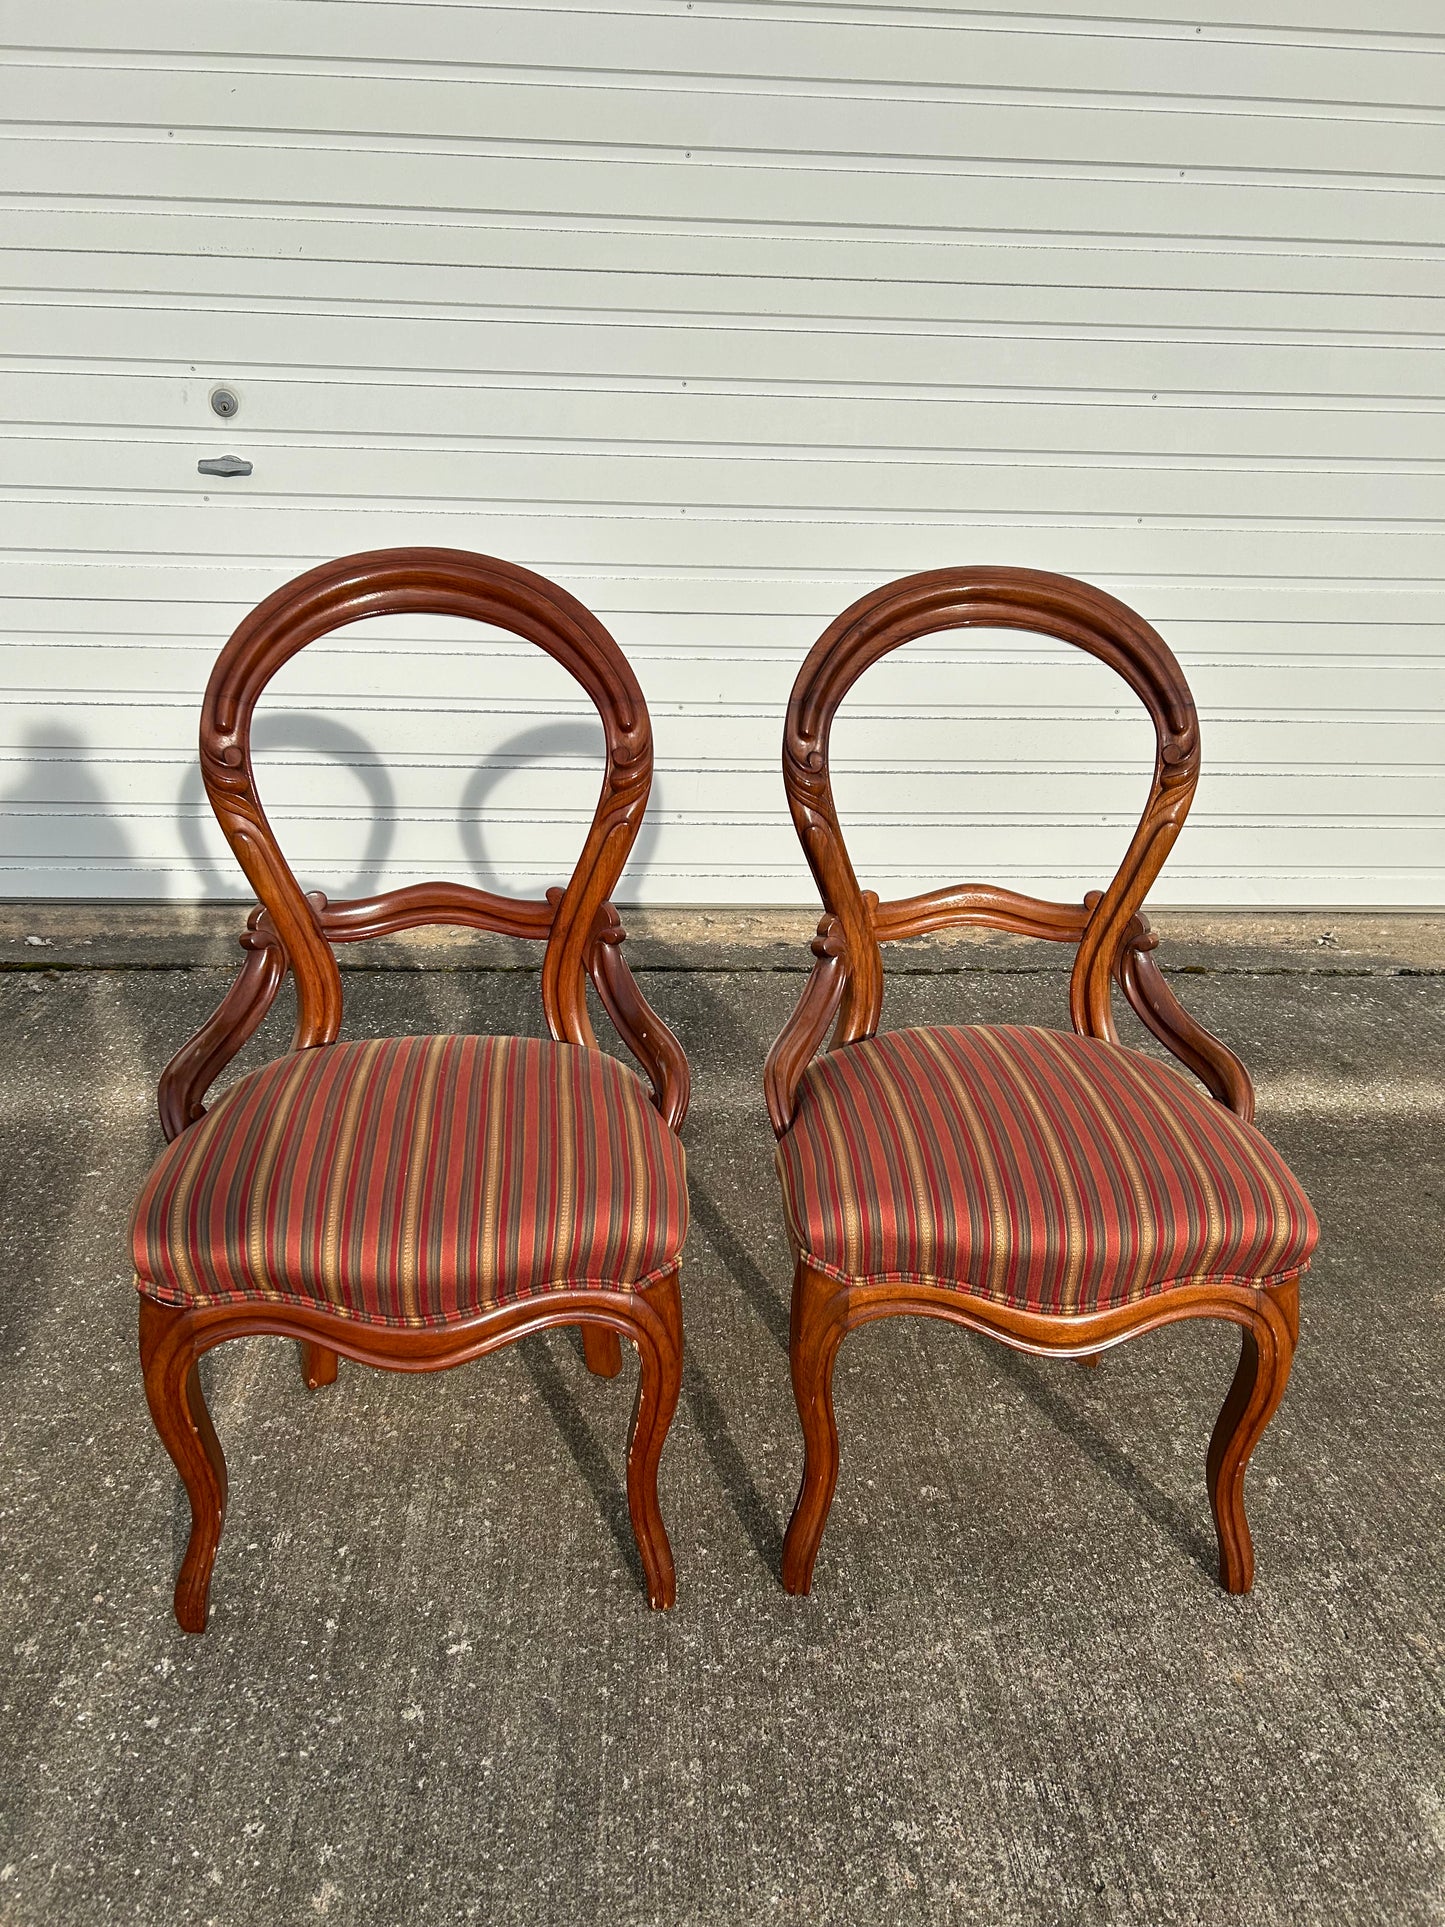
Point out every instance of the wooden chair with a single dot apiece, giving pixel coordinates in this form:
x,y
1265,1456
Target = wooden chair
x,y
415,1202
1057,1191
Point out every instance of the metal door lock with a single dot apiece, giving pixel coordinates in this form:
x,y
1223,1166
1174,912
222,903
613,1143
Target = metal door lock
x,y
225,402
223,465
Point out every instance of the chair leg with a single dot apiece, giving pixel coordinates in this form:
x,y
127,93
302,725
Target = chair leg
x,y
318,1366
816,1334
602,1349
1265,1355
173,1390
659,1348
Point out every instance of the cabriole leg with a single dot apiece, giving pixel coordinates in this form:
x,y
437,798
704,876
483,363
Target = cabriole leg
x,y
817,1332
659,1349
173,1390
318,1366
1265,1356
602,1349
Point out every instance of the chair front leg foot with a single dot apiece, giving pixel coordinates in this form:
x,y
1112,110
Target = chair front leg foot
x,y
817,1332
602,1349
1265,1356
659,1349
318,1365
173,1391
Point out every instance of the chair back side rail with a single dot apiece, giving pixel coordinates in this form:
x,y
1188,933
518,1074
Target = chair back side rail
x,y
1184,1037
648,1038
798,1041
180,1095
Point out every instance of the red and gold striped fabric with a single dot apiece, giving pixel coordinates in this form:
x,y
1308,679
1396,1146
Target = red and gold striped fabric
x,y
413,1180
1034,1168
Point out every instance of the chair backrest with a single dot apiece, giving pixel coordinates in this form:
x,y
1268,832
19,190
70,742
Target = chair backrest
x,y
920,605
432,582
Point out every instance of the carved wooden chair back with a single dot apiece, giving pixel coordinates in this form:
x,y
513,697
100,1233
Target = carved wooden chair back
x,y
1113,937
292,928
1028,599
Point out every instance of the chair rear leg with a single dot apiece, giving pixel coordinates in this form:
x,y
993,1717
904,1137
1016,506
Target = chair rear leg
x,y
1265,1356
817,1332
602,1349
318,1366
173,1390
659,1349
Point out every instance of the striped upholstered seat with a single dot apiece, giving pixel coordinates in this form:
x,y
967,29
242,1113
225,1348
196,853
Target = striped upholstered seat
x,y
1031,1167
409,1181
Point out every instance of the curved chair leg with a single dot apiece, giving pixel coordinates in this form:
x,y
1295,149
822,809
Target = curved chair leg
x,y
817,1332
173,1391
659,1348
602,1349
1265,1355
318,1366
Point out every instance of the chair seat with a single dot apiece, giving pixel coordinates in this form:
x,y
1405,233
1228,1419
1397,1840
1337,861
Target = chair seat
x,y
1034,1168
412,1181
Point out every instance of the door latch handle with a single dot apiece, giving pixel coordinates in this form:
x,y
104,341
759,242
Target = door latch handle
x,y
223,465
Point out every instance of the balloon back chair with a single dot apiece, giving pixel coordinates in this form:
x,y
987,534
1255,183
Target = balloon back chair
x,y
414,1202
1056,1190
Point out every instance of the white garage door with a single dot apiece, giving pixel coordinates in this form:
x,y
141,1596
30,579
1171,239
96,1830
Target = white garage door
x,y
721,312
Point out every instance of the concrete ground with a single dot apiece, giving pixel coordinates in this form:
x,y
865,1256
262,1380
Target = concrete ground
x,y
431,1690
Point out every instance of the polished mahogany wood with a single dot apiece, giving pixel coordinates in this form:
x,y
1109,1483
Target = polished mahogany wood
x,y
318,1366
297,931
172,1341
1114,946
424,582
303,929
825,1311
